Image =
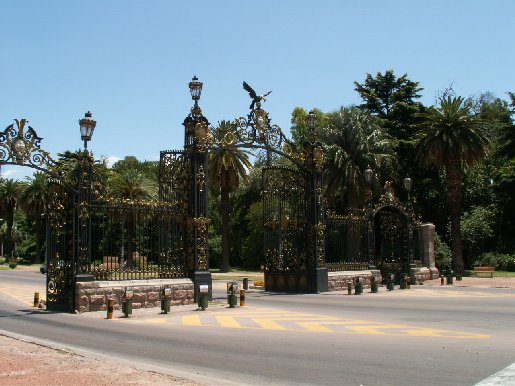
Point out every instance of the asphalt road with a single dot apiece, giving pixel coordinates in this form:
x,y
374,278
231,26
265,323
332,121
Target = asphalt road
x,y
423,336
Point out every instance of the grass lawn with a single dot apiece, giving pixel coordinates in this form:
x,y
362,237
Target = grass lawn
x,y
237,274
470,273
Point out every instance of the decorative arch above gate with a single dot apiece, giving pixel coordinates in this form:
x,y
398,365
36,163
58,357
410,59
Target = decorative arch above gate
x,y
21,146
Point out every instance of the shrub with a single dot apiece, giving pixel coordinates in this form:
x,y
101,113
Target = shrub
x,y
477,230
500,261
13,264
2,260
443,255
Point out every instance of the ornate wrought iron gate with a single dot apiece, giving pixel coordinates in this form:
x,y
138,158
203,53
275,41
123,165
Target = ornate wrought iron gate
x,y
392,242
60,246
286,228
384,235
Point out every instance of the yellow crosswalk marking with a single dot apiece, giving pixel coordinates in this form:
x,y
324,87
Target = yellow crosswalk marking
x,y
282,320
191,320
157,320
23,293
314,327
228,321
268,324
367,330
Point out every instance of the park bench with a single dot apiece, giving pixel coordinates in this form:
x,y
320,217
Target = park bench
x,y
110,262
483,270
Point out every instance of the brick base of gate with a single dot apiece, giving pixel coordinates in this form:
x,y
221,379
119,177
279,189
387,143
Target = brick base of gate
x,y
338,280
424,274
94,295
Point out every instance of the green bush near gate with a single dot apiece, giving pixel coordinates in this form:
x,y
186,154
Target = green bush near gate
x,y
2,260
443,255
501,262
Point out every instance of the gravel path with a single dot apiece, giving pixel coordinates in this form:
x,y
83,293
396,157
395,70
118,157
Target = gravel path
x,y
24,363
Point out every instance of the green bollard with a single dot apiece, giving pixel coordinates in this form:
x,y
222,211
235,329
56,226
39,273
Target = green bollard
x,y
374,287
358,286
404,284
442,282
166,295
232,298
349,288
127,303
450,278
391,282
203,296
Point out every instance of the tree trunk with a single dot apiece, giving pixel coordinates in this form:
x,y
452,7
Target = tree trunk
x,y
9,240
453,177
130,236
353,199
40,239
224,213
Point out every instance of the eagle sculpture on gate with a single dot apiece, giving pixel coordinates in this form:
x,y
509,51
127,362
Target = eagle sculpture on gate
x,y
256,99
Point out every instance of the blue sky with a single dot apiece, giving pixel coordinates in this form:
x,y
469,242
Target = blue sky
x,y
129,62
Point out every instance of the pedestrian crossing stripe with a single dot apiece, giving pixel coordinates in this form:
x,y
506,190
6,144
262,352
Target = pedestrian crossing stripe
x,y
23,293
284,321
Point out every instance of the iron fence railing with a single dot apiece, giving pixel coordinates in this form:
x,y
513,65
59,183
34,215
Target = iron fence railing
x,y
136,241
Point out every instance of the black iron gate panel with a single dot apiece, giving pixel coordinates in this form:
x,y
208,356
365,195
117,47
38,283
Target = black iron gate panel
x,y
60,247
136,240
175,180
392,241
286,229
346,241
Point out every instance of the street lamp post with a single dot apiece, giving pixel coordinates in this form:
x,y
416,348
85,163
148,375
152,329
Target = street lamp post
x,y
316,264
369,177
83,203
196,146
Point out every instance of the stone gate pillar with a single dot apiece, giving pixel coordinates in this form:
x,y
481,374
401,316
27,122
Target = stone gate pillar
x,y
427,246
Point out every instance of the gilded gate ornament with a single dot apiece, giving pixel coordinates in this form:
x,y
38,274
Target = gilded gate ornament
x,y
23,147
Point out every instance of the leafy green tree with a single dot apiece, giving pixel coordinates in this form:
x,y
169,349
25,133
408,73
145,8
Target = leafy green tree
x,y
393,99
149,169
452,137
354,140
33,203
10,193
477,229
227,166
299,126
443,256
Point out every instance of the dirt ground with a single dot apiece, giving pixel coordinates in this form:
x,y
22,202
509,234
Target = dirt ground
x,y
24,363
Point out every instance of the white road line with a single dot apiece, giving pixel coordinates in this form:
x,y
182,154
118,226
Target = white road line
x,y
505,377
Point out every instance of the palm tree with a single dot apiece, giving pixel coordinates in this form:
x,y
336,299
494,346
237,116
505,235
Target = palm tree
x,y
33,201
227,166
10,192
354,140
451,138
